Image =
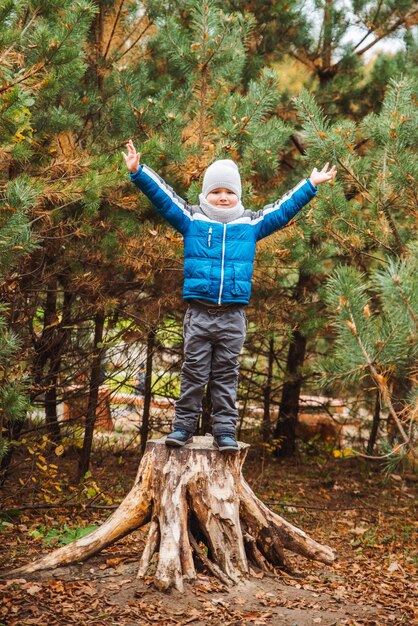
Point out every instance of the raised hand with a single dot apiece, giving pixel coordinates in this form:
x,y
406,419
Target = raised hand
x,y
132,158
323,176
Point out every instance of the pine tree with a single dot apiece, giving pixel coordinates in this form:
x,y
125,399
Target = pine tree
x,y
16,242
328,41
185,81
371,214
39,45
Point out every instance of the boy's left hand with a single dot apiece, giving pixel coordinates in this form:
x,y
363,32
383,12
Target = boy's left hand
x,y
324,176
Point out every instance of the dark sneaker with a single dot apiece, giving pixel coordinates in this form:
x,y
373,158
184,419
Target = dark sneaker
x,y
226,443
178,438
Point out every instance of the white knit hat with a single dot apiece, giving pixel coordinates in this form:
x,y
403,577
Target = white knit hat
x,y
222,174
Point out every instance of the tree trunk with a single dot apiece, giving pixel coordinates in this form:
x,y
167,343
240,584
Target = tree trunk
x,y
267,394
84,460
375,424
400,390
148,386
50,403
289,406
285,430
45,345
45,349
198,508
51,400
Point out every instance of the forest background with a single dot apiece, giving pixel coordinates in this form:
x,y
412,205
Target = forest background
x,y
86,264
87,268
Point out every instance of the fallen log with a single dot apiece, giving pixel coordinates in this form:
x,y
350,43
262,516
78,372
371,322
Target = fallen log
x,y
197,505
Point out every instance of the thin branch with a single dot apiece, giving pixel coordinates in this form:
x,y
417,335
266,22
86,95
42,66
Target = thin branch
x,y
21,34
34,71
117,16
371,29
381,385
368,234
350,247
304,60
40,66
406,301
134,43
390,30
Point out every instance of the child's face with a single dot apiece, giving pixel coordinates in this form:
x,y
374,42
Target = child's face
x,y
222,198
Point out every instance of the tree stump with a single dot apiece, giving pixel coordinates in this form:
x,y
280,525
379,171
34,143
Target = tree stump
x,y
198,507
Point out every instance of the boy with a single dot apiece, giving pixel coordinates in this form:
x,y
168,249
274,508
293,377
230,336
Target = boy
x,y
220,238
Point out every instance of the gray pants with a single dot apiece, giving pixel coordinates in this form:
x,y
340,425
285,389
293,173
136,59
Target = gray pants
x,y
213,339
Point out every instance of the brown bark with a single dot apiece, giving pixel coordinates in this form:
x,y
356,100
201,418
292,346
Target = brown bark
x,y
289,405
267,393
148,386
190,498
51,399
46,350
375,425
50,404
84,460
285,430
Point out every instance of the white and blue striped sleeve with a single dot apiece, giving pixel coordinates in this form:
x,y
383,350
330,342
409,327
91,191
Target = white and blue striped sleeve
x,y
173,208
275,216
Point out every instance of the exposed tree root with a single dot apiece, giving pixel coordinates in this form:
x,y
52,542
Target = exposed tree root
x,y
194,499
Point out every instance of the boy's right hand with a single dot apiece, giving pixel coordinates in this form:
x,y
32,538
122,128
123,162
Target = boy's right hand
x,y
132,158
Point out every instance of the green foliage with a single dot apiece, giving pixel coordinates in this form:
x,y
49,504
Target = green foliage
x,y
191,82
218,41
15,242
61,535
13,402
375,321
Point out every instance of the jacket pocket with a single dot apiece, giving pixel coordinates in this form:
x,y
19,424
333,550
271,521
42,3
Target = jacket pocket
x,y
240,283
198,275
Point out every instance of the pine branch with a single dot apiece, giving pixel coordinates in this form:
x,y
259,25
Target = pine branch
x,y
397,282
395,232
381,383
21,34
384,206
367,233
49,58
23,78
352,248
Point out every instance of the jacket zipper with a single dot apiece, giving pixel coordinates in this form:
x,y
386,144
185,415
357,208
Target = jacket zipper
x,y
209,236
222,266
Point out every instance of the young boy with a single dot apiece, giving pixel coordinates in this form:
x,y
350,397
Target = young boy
x,y
220,238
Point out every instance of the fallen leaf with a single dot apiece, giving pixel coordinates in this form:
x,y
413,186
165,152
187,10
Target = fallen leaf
x,y
33,590
393,567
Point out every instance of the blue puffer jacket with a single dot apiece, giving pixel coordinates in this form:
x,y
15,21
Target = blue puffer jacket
x,y
219,258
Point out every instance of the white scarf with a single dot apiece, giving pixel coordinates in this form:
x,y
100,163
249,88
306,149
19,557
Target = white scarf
x,y
220,214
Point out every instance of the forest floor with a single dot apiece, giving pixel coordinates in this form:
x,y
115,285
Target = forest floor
x,y
367,517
